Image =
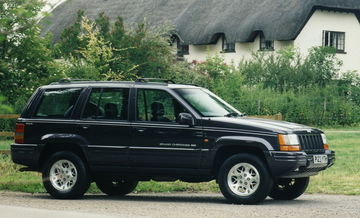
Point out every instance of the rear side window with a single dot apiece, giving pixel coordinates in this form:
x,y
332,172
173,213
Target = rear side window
x,y
57,103
108,104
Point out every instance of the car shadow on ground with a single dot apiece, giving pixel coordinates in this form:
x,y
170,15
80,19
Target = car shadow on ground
x,y
179,198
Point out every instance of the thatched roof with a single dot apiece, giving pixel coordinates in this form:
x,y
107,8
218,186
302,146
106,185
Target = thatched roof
x,y
202,21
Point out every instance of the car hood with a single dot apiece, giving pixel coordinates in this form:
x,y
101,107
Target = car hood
x,y
258,124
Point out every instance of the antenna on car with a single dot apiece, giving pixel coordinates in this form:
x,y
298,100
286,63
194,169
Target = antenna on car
x,y
145,80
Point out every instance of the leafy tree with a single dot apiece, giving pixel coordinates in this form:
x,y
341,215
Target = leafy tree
x,y
69,39
4,109
24,55
138,52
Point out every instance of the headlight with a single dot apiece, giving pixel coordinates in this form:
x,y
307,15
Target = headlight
x,y
324,139
289,142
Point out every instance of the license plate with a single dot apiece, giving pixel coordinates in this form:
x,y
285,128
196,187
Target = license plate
x,y
320,159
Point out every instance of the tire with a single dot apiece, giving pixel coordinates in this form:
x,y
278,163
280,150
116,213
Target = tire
x,y
244,179
69,167
289,189
116,188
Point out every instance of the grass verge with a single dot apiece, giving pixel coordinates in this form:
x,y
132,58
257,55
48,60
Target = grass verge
x,y
342,178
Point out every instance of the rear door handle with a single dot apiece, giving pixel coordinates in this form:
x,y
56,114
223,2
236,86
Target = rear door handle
x,y
85,126
141,130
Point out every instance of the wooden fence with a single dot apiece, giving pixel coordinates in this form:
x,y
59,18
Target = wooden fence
x,y
8,116
7,133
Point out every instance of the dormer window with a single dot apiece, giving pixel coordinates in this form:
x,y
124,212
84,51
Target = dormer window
x,y
266,45
227,47
334,39
181,49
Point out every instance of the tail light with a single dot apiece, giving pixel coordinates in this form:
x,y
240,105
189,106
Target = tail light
x,y
19,133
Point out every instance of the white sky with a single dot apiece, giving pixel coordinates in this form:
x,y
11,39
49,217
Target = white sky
x,y
51,4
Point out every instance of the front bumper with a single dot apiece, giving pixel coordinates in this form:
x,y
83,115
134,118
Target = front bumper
x,y
296,164
25,154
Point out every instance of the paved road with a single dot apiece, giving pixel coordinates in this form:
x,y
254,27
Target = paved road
x,y
166,205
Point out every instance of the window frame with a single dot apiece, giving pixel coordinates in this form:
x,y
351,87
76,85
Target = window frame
x,y
337,33
136,116
264,44
181,49
87,97
225,46
39,98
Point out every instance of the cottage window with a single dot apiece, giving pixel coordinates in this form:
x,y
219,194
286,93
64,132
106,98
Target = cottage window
x,y
181,49
334,39
226,46
266,45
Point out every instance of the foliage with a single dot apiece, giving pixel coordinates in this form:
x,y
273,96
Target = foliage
x,y
108,51
25,57
288,70
306,90
4,109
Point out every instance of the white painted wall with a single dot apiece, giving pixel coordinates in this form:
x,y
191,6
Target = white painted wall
x,y
243,51
311,35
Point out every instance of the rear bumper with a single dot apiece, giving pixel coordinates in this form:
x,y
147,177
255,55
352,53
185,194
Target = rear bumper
x,y
25,154
296,164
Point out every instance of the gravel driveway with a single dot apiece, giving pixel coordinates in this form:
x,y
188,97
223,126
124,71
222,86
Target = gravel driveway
x,y
187,205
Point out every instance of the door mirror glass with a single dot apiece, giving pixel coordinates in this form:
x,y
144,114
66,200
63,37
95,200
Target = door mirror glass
x,y
186,119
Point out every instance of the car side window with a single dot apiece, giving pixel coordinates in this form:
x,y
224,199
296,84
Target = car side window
x,y
107,103
57,103
157,106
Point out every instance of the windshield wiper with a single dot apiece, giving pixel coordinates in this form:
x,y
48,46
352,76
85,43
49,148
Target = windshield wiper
x,y
233,114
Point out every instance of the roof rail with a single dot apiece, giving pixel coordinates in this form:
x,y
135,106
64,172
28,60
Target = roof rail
x,y
145,80
69,80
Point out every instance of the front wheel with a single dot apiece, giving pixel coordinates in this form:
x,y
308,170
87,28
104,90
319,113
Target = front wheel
x,y
65,176
244,179
289,189
116,188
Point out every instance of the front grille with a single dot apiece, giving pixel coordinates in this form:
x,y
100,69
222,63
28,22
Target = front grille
x,y
311,143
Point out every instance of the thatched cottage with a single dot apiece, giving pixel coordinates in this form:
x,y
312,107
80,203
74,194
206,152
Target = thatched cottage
x,y
235,28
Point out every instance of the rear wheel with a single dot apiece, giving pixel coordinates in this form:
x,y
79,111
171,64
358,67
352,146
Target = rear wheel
x,y
116,188
289,189
244,179
65,176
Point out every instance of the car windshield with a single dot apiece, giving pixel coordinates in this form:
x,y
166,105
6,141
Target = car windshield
x,y
207,103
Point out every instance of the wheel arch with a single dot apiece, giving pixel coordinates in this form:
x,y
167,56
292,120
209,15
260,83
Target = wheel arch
x,y
53,143
228,146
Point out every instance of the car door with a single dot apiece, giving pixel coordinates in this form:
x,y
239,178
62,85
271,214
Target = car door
x,y
104,124
158,140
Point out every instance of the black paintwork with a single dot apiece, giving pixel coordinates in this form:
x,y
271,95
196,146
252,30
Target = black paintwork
x,y
150,150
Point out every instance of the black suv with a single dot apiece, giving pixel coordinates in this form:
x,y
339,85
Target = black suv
x,y
119,133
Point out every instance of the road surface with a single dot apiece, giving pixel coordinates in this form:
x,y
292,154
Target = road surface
x,y
166,205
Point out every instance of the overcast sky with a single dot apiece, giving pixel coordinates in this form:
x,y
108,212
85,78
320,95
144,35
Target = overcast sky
x,y
51,4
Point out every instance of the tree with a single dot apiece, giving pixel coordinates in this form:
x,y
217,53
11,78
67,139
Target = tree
x,y
138,52
25,57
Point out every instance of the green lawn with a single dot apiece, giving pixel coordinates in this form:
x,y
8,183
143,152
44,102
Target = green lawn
x,y
5,144
342,178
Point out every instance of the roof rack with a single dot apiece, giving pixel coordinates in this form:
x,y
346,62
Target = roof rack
x,y
69,80
145,80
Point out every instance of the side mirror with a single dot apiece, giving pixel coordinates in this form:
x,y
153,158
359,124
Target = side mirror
x,y
186,119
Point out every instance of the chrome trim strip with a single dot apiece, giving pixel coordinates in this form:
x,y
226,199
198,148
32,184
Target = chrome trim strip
x,y
105,146
146,148
165,148
25,145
